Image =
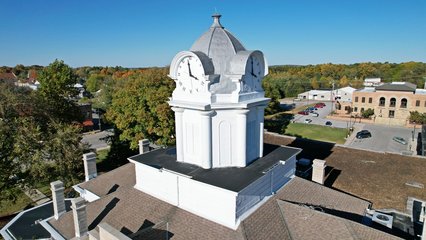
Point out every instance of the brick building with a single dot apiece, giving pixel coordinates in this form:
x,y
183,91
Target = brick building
x,y
391,102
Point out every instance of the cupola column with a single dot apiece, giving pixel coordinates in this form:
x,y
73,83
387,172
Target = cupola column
x,y
206,139
260,120
241,137
179,133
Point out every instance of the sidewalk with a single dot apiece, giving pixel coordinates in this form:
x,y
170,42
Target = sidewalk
x,y
357,127
36,196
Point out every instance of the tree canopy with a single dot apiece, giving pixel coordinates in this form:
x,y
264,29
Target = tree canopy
x,y
57,91
139,108
37,143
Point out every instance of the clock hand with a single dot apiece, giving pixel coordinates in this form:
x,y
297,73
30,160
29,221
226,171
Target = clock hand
x,y
254,75
190,73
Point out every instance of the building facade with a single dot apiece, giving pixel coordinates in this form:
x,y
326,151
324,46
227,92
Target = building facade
x,y
391,102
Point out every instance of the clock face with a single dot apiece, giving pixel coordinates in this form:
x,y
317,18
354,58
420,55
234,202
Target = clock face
x,y
190,75
253,75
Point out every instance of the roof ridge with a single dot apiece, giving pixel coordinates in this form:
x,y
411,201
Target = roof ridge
x,y
283,218
210,41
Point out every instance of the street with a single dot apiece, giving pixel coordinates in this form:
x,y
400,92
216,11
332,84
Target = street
x,y
97,140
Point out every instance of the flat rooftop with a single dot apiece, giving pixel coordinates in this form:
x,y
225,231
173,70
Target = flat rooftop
x,y
26,226
232,178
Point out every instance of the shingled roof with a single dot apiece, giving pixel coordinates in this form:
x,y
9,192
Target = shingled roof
x,y
120,178
304,223
142,216
8,77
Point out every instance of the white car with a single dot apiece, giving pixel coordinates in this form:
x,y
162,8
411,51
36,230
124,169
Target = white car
x,y
308,120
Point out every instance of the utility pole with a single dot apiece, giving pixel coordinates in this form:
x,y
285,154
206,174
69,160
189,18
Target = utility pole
x,y
332,98
99,117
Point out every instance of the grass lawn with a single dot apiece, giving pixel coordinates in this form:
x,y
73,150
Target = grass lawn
x,y
316,132
102,155
9,207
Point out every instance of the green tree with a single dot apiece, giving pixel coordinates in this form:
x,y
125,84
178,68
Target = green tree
x,y
57,91
416,117
94,82
34,146
367,113
139,108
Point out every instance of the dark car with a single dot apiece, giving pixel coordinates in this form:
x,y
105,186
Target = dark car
x,y
328,123
303,112
363,134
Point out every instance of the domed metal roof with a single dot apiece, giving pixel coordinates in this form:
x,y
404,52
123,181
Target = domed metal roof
x,y
218,44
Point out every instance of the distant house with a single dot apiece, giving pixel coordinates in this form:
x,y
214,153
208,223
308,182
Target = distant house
x,y
372,82
86,111
8,77
32,76
31,80
81,91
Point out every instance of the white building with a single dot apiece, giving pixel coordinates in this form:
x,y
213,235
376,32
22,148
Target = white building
x,y
341,94
372,82
344,94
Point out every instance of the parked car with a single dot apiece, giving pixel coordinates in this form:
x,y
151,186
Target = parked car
x,y
328,123
315,114
363,134
308,120
303,112
400,140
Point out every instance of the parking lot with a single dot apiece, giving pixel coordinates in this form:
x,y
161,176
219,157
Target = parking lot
x,y
321,119
381,138
381,135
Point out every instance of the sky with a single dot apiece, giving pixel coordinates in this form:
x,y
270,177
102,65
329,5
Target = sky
x,y
149,33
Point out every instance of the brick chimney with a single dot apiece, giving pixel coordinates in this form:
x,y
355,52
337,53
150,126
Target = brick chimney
x,y
143,146
58,199
90,170
110,233
318,171
78,206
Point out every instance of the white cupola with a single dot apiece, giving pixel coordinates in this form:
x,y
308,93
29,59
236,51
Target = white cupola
x,y
218,101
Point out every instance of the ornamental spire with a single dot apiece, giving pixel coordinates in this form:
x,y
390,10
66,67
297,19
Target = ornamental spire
x,y
216,21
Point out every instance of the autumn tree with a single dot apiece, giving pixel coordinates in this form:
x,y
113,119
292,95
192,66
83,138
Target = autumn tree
x,y
314,83
344,81
139,108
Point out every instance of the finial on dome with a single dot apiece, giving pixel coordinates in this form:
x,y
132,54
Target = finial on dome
x,y
216,21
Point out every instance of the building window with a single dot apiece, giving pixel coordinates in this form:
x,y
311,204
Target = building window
x,y
363,99
417,103
391,113
392,102
355,109
370,100
404,103
356,99
362,110
425,103
382,102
